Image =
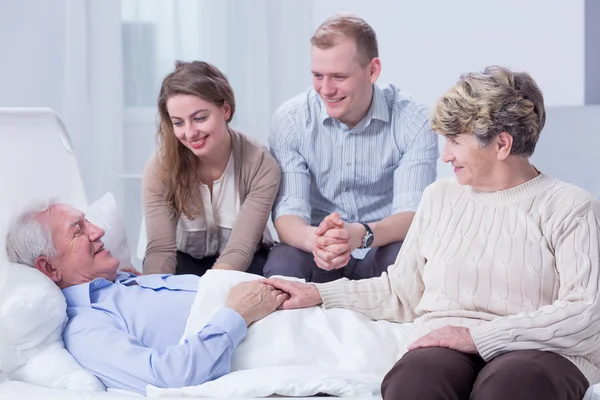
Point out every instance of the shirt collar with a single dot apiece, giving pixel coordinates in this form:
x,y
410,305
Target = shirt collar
x,y
79,295
378,109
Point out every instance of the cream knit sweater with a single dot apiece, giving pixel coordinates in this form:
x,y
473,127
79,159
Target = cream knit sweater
x,y
520,267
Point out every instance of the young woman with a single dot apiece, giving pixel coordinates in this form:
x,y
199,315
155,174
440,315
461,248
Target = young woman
x,y
208,190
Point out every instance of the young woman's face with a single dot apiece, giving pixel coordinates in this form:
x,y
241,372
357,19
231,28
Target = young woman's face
x,y
198,124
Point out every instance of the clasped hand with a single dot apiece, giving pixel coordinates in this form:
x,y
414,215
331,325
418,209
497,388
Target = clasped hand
x,y
254,300
334,242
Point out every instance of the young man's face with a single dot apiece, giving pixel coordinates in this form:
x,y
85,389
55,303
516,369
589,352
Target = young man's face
x,y
344,84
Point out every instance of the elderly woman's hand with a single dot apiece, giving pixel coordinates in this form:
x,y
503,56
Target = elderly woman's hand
x,y
452,337
302,295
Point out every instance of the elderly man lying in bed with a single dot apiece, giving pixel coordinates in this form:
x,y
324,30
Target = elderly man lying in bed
x,y
125,328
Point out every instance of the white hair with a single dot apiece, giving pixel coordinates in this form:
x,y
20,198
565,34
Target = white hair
x,y
28,238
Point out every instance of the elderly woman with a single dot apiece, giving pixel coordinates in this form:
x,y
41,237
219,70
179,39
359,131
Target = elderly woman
x,y
500,268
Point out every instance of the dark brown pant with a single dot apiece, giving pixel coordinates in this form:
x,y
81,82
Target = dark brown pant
x,y
187,264
439,373
289,261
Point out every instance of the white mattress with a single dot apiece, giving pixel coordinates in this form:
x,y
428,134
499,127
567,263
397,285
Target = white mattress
x,y
11,390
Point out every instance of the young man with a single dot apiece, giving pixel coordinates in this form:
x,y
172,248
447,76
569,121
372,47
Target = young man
x,y
355,160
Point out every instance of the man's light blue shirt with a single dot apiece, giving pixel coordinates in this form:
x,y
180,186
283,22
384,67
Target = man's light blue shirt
x,y
375,169
127,332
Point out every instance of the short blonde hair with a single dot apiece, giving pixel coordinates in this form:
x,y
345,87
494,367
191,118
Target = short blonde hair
x,y
490,102
348,26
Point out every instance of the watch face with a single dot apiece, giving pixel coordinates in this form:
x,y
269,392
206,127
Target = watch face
x,y
368,240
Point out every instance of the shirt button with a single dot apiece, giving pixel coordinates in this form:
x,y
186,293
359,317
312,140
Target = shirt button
x,y
347,189
348,164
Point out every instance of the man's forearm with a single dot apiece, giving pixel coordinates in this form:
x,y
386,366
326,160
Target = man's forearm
x,y
391,229
100,346
296,232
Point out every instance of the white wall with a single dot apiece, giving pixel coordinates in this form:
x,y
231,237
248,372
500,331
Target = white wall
x,y
425,45
65,54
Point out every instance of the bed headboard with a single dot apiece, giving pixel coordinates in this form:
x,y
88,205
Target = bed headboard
x,y
36,161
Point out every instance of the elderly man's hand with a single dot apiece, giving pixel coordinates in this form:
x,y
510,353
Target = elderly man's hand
x,y
452,337
254,300
301,295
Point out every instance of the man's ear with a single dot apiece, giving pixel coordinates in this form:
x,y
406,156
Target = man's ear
x,y
46,267
374,69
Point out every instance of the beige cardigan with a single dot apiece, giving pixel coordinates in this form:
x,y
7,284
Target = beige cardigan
x,y
519,267
257,177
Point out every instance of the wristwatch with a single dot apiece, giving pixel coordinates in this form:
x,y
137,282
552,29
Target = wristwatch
x,y
368,238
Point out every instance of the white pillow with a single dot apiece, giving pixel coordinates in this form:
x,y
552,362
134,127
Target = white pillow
x,y
105,213
33,314
311,337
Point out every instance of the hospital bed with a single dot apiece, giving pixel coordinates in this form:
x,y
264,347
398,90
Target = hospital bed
x,y
37,160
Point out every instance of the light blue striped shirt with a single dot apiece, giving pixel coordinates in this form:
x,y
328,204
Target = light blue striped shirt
x,y
378,168
128,335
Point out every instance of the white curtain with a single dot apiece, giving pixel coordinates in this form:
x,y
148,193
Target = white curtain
x,y
262,46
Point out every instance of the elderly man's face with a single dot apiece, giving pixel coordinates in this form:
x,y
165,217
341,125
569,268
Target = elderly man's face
x,y
81,253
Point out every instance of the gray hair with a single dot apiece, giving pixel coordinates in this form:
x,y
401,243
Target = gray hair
x,y
28,238
490,102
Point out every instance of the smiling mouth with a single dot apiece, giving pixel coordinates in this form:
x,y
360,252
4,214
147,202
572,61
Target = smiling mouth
x,y
198,142
98,251
335,100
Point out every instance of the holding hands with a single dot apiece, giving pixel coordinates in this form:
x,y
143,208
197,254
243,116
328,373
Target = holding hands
x,y
300,295
254,300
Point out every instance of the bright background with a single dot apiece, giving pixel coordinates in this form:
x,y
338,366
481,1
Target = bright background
x,y
99,64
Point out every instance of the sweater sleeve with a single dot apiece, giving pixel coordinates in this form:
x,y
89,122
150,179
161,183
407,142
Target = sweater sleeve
x,y
570,325
393,296
254,213
161,225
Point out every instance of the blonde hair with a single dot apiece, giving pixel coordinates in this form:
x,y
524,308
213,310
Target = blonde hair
x,y
490,102
347,26
178,166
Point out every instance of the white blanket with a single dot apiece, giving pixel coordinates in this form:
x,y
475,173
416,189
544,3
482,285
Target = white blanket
x,y
296,352
300,352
